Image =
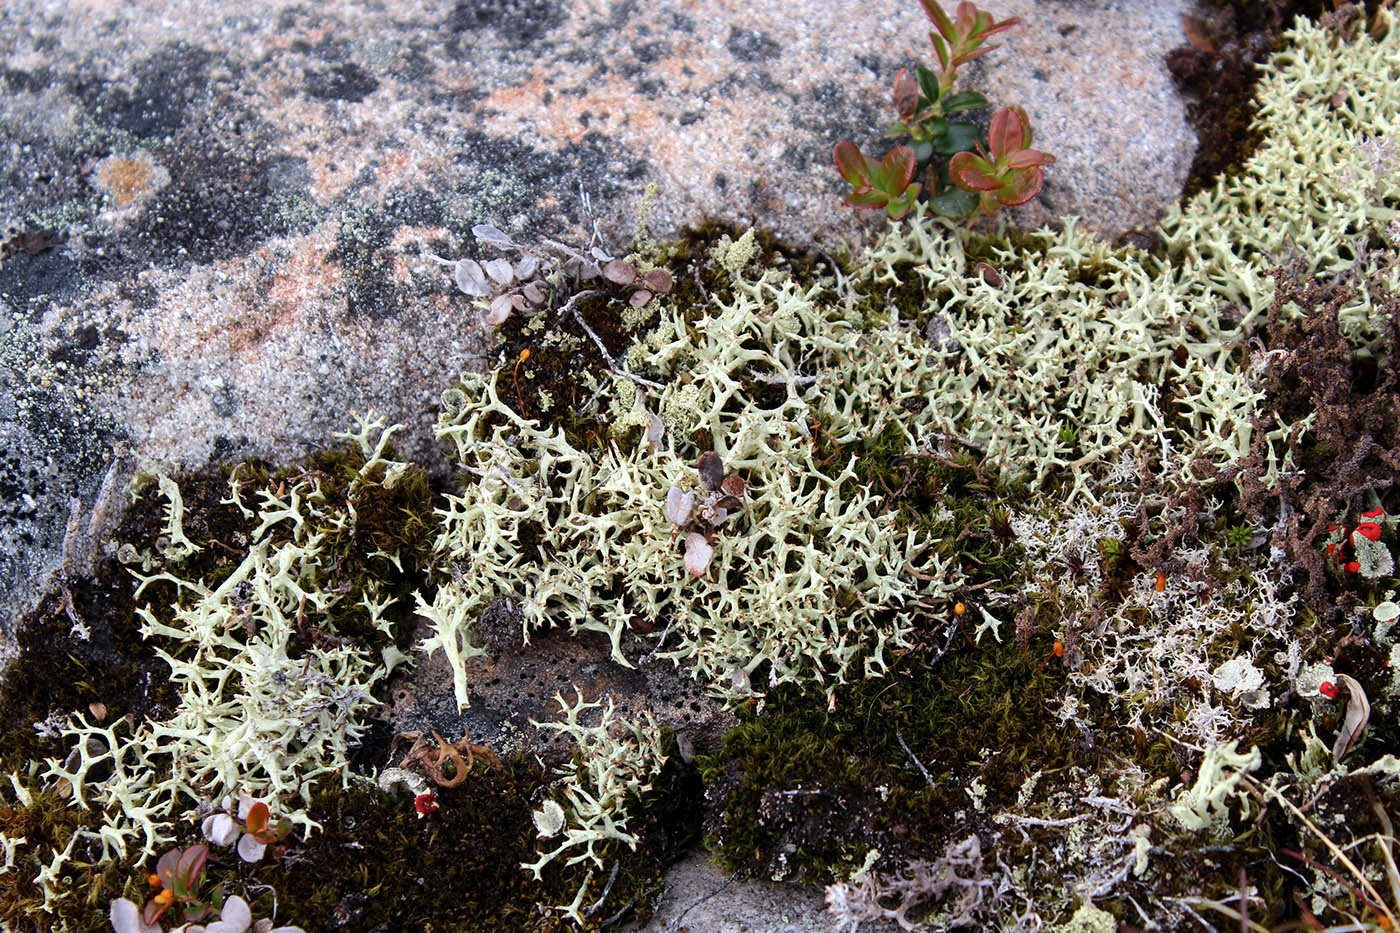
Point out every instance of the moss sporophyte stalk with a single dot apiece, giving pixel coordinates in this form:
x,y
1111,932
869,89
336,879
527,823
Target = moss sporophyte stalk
x,y
1009,553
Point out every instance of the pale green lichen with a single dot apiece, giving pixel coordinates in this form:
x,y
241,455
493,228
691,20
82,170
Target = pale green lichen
x,y
1205,807
251,715
611,772
810,578
1312,191
175,545
1089,919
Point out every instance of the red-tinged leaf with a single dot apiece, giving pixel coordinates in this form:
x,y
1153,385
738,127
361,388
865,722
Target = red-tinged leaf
x,y
867,200
936,13
153,912
965,20
1010,131
972,173
165,867
1021,186
898,168
1029,158
258,815
995,28
191,864
968,56
906,95
851,163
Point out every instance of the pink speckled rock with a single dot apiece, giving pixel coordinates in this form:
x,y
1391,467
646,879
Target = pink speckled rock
x,y
233,201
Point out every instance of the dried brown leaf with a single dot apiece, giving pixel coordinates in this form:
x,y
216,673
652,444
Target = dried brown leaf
x,y
1358,714
658,280
620,272
711,469
1198,34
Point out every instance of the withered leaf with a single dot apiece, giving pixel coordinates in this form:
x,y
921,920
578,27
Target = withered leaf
x,y
620,271
1198,34
1358,714
658,280
711,469
698,553
656,430
679,505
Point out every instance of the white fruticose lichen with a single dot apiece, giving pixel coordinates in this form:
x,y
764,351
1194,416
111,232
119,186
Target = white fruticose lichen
x,y
1205,807
176,545
609,773
1312,188
811,577
252,716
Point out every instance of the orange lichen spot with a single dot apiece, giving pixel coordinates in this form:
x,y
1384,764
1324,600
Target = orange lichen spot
x,y
153,880
1059,649
1161,583
129,179
164,897
959,609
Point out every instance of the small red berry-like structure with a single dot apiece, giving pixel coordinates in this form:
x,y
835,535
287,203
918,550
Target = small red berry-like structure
x,y
1352,566
1369,530
427,803
1328,689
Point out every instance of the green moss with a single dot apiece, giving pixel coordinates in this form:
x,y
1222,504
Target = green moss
x,y
47,823
799,791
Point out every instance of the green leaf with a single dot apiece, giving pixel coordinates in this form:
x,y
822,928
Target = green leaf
x,y
954,203
897,129
923,151
961,137
867,199
928,83
900,206
963,100
940,49
851,163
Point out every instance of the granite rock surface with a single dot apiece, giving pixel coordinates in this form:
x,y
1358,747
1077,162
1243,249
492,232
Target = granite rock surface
x,y
220,214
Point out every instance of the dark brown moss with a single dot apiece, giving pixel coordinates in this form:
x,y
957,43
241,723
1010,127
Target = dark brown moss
x,y
375,865
1353,448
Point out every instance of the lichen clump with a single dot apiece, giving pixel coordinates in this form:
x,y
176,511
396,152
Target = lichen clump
x,y
810,581
992,543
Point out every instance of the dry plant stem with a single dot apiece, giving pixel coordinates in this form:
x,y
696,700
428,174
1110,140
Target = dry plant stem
x,y
1244,901
612,363
1245,923
922,770
607,889
1385,841
1374,899
1334,875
